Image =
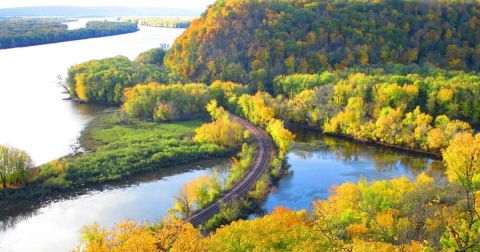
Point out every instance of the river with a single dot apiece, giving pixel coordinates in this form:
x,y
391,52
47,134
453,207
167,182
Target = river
x,y
318,162
34,116
55,226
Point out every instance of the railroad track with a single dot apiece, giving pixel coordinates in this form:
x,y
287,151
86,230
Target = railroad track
x,y
260,165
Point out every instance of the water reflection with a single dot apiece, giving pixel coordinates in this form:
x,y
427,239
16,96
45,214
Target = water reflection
x,y
311,143
318,162
55,225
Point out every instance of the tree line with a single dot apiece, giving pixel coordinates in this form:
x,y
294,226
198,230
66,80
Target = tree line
x,y
408,106
414,109
36,31
166,22
165,102
436,91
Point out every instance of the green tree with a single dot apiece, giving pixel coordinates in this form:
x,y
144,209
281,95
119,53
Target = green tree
x,y
14,165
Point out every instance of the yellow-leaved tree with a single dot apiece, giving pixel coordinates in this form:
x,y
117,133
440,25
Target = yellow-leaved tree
x,y
222,130
463,168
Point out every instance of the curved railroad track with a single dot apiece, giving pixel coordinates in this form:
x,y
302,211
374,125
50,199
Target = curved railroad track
x,y
260,165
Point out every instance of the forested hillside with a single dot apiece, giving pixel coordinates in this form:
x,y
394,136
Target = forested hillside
x,y
253,41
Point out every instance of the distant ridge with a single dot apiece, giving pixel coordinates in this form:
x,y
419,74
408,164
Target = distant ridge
x,y
72,11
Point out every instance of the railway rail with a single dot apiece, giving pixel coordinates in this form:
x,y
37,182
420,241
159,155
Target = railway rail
x,y
259,167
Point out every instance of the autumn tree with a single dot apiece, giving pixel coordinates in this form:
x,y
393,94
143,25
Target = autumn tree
x,y
463,167
280,135
14,166
170,234
349,121
103,81
124,236
227,93
257,108
197,194
240,164
176,235
283,229
222,130
165,102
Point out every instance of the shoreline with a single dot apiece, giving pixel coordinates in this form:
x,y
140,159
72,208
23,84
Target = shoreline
x,y
61,41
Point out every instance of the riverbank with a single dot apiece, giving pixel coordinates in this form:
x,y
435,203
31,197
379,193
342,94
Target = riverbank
x,y
115,148
33,31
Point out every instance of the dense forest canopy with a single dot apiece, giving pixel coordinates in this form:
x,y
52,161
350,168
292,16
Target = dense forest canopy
x,y
103,81
36,31
435,91
153,56
253,41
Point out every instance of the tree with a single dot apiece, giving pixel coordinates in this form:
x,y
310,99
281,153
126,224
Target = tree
x,y
463,166
153,56
103,81
222,130
14,166
349,121
282,230
165,102
281,136
124,236
177,236
257,108
388,126
197,194
183,204
240,164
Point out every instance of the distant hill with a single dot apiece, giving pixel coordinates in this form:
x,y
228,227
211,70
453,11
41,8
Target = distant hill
x,y
71,11
251,41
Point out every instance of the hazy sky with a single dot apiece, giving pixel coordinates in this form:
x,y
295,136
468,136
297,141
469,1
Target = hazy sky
x,y
184,4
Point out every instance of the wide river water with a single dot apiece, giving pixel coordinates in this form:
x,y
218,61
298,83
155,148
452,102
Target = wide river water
x,y
34,116
38,120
